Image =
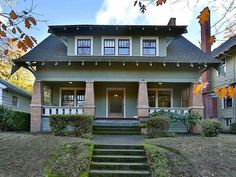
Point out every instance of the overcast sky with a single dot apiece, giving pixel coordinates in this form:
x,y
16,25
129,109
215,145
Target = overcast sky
x,y
117,12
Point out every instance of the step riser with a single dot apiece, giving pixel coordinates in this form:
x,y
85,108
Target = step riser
x,y
115,133
115,129
118,153
117,147
108,159
117,175
119,167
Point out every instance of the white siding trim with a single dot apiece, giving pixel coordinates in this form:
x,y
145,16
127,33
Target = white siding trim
x,y
83,37
149,38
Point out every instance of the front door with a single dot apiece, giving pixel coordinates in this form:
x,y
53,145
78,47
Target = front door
x,y
115,103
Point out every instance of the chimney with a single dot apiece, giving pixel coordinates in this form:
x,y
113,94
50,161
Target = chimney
x,y
172,22
205,35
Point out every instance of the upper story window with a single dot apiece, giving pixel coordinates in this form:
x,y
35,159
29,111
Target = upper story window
x,y
149,46
222,68
14,101
123,46
227,102
118,45
109,47
84,45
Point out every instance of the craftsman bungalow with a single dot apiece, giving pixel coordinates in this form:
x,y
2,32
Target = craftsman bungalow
x,y
114,71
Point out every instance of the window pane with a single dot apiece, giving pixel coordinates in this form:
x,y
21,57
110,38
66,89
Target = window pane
x,y
14,101
109,43
149,43
67,98
123,45
149,51
149,47
46,96
152,98
228,102
109,51
80,97
123,51
84,47
164,99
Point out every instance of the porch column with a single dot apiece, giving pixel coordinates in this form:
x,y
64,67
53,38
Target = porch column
x,y
36,107
142,107
195,101
89,105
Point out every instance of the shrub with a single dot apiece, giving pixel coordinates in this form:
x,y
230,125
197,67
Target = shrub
x,y
77,125
191,120
211,128
233,128
158,126
11,120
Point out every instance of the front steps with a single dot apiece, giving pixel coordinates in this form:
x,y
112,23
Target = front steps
x,y
119,160
116,130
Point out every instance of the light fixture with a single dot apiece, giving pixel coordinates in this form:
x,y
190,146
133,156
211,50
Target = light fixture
x,y
70,82
199,67
164,64
115,95
82,63
123,63
136,63
160,83
177,64
96,63
69,63
191,65
56,63
109,63
43,63
150,64
205,65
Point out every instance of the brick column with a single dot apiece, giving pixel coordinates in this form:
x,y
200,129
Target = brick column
x,y
195,101
36,107
142,107
89,105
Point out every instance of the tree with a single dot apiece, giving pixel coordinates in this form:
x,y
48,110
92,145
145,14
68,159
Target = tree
x,y
225,24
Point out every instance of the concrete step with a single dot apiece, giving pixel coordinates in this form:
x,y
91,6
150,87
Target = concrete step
x,y
116,132
121,146
115,128
119,152
118,166
119,173
119,158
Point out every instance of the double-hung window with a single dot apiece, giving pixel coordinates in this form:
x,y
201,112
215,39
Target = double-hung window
x,y
72,97
227,102
123,47
109,47
149,47
84,46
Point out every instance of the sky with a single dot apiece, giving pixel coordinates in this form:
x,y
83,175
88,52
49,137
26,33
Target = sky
x,y
55,12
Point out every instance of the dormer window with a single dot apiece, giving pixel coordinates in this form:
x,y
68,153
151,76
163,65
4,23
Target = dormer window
x,y
84,45
149,46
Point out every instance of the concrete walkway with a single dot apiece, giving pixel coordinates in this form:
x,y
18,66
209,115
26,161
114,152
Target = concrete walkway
x,y
118,139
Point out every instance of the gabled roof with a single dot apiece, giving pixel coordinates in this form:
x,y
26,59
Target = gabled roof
x,y
180,50
224,47
14,88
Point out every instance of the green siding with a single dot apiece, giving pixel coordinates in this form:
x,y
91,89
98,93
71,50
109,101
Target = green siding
x,y
136,45
162,46
70,45
97,45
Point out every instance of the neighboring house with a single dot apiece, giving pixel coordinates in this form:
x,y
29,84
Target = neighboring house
x,y
224,77
14,97
114,71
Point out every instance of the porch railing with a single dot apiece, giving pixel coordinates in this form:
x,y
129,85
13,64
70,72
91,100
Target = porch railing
x,y
178,110
48,110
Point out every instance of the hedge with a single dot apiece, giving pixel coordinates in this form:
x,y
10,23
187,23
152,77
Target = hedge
x,y
11,120
211,128
73,124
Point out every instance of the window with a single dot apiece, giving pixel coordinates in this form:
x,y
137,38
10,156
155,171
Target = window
x,y
164,98
67,98
222,69
14,101
227,122
80,97
123,46
84,46
149,47
152,98
109,47
46,96
227,102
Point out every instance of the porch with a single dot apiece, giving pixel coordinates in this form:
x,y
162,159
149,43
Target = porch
x,y
126,100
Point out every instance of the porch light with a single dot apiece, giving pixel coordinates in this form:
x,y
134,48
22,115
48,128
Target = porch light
x,y
123,63
69,63
150,64
136,63
191,65
77,28
143,29
205,65
90,28
115,95
43,63
160,83
177,64
56,63
70,82
82,63
96,63
164,64
109,63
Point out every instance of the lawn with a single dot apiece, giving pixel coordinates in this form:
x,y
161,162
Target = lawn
x,y
196,156
26,154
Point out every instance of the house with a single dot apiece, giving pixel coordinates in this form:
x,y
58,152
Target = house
x,y
224,77
114,71
14,97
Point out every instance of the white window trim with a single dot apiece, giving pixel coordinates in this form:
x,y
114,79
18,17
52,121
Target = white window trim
x,y
124,101
149,38
163,89
17,104
83,37
69,88
227,126
217,73
223,106
116,38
